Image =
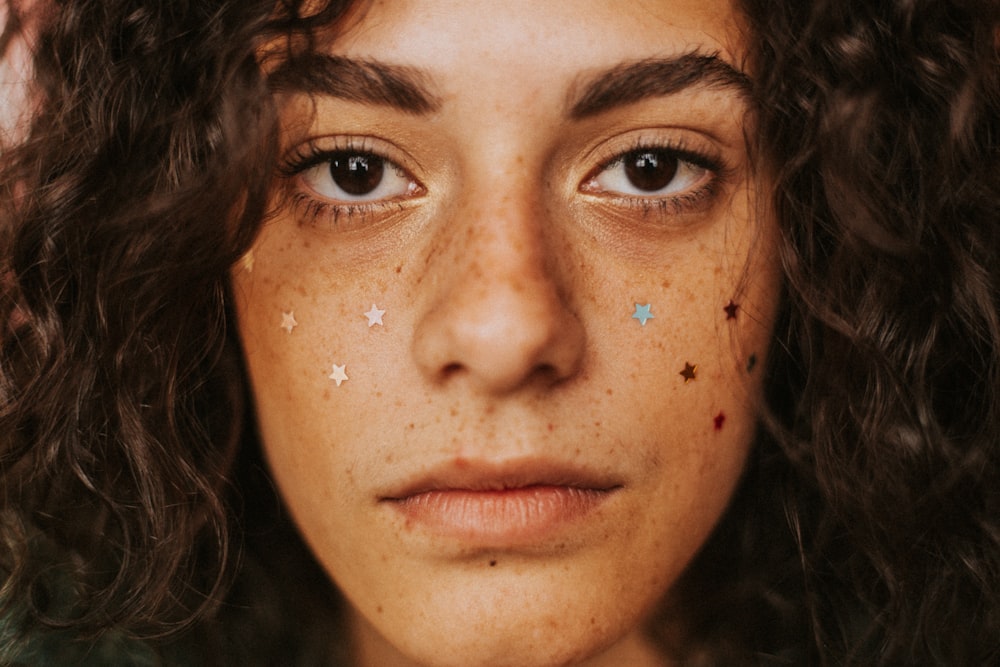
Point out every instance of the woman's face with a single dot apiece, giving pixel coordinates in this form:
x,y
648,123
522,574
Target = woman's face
x,y
505,330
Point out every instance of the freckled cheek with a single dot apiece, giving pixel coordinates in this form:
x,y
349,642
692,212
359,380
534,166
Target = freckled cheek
x,y
685,384
304,326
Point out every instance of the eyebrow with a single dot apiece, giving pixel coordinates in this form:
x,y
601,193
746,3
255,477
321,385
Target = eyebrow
x,y
367,82
408,89
636,81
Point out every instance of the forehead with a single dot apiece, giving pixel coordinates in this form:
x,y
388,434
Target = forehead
x,y
534,37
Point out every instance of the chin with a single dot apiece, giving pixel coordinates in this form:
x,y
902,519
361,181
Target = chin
x,y
520,618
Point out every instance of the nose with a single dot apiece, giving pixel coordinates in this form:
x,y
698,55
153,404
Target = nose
x,y
499,318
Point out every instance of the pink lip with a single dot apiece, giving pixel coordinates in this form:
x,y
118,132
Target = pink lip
x,y
510,505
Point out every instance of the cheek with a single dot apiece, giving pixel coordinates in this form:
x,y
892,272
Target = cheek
x,y
687,380
303,338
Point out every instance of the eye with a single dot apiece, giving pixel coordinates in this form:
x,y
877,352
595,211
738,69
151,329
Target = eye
x,y
649,172
356,176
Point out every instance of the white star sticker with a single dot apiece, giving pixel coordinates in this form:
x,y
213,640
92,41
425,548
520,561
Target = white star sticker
x,y
338,375
288,321
374,316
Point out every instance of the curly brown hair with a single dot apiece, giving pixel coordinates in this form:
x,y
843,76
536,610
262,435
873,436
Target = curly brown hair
x,y
867,527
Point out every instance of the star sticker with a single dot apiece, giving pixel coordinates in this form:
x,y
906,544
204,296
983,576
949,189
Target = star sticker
x,y
689,373
338,375
374,316
731,310
719,421
642,313
288,321
246,261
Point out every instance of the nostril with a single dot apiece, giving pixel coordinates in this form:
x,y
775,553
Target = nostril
x,y
546,371
450,369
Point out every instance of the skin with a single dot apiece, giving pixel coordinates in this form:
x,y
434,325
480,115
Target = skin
x,y
509,277
15,72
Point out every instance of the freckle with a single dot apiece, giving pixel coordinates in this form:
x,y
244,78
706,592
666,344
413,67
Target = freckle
x,y
378,394
411,426
326,395
609,392
453,412
665,284
399,269
552,427
751,363
493,563
378,609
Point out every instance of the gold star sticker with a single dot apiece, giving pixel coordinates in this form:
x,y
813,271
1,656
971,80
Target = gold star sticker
x,y
246,261
689,373
338,375
288,321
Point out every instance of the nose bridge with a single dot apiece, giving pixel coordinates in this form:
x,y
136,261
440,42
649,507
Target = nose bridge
x,y
504,238
498,318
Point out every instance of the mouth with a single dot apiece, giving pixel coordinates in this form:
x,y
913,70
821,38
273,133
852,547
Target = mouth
x,y
493,506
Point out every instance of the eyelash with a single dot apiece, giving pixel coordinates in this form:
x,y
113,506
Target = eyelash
x,y
315,209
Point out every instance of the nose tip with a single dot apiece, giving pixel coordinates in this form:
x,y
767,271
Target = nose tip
x,y
503,338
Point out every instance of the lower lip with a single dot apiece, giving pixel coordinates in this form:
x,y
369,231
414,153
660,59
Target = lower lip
x,y
500,517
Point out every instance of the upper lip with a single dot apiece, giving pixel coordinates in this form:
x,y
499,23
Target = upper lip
x,y
469,475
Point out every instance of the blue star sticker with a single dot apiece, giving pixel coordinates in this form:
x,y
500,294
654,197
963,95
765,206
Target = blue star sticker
x,y
642,313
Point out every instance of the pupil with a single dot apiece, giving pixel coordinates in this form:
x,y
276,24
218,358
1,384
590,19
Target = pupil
x,y
650,171
357,174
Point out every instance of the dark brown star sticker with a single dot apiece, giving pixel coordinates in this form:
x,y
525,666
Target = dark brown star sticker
x,y
731,310
689,373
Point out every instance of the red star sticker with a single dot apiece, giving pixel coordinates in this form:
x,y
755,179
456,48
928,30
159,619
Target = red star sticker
x,y
719,421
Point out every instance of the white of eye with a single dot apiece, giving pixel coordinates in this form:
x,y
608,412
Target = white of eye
x,y
358,176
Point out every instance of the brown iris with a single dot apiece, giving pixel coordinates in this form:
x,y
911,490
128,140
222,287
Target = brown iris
x,y
650,171
357,173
